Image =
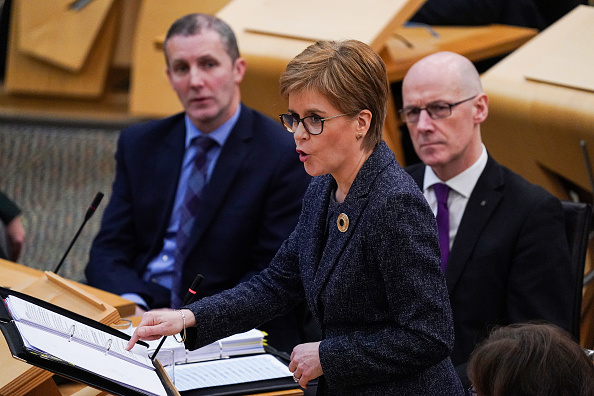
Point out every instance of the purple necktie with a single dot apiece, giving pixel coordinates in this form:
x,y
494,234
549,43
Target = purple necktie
x,y
188,211
443,221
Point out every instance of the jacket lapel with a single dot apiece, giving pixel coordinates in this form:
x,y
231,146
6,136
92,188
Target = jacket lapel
x,y
484,199
311,254
166,174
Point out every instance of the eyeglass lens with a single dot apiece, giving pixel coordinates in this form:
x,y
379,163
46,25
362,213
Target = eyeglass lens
x,y
435,110
312,124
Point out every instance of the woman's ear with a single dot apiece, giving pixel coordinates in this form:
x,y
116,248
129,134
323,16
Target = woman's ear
x,y
363,122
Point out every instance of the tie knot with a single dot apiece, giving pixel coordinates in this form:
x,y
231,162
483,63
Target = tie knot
x,y
204,143
441,192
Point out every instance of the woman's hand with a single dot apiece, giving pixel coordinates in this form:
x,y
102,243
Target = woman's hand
x,y
305,363
158,323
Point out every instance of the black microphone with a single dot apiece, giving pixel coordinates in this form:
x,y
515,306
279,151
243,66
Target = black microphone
x,y
192,290
191,293
90,211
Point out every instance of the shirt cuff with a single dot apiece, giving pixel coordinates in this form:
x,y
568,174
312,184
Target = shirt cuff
x,y
137,299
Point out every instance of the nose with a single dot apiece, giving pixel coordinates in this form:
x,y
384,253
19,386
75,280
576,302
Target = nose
x,y
425,121
196,77
300,132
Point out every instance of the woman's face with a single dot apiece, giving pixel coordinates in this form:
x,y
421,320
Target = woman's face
x,y
337,150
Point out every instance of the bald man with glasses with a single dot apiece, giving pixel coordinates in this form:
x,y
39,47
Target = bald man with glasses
x,y
503,241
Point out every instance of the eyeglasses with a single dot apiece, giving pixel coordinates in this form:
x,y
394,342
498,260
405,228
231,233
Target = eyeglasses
x,y
435,110
313,124
471,392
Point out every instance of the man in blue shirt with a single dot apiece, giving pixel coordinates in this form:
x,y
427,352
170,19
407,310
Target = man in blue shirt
x,y
254,184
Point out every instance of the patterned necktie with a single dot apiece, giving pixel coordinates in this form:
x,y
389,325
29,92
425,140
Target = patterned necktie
x,y
188,211
443,221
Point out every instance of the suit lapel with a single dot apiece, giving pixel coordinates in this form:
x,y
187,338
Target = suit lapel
x,y
482,202
484,199
314,244
228,164
166,174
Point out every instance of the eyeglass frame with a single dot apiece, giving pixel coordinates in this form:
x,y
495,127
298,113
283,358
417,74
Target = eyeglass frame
x,y
471,391
450,106
300,120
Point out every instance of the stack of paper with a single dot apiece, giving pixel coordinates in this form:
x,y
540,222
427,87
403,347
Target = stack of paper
x,y
248,343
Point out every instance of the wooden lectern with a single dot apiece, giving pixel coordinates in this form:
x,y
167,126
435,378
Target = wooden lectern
x,y
541,107
19,378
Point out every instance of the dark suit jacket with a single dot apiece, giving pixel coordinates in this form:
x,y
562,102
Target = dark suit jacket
x,y
250,206
509,261
376,289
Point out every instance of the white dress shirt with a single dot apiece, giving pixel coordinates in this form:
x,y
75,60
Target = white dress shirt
x,y
461,187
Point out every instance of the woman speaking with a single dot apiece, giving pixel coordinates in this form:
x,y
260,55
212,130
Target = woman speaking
x,y
364,255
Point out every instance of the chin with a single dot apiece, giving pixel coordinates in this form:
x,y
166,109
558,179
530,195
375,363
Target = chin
x,y
430,160
313,171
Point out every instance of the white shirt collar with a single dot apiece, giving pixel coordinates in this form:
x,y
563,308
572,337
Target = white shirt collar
x,y
462,183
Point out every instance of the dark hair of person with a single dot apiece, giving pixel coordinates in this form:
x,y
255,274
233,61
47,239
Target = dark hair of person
x,y
531,359
349,74
192,24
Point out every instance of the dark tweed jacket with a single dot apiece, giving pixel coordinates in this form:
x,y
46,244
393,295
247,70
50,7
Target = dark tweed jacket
x,y
376,290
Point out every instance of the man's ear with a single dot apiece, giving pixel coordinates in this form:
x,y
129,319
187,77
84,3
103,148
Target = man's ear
x,y
239,70
481,108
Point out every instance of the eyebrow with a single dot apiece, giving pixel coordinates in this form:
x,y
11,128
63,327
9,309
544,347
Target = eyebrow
x,y
308,111
427,104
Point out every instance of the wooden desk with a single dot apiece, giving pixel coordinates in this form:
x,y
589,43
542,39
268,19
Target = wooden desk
x,y
76,389
13,274
409,44
533,127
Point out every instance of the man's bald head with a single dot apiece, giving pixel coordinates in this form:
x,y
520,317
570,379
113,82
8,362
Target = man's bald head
x,y
457,70
444,105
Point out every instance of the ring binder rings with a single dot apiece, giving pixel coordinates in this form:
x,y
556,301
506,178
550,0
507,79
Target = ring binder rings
x,y
55,349
108,346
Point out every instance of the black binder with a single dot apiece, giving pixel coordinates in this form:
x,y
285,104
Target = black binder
x,y
253,387
19,351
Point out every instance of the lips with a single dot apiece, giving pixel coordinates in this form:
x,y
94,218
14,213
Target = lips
x,y
302,155
198,100
429,144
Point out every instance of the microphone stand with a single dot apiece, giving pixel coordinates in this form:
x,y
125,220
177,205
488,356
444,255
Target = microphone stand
x,y
88,215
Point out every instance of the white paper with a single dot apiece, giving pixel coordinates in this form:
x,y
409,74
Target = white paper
x,y
93,360
247,343
229,371
77,332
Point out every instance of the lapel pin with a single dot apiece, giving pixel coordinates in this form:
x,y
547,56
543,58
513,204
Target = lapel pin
x,y
483,203
342,222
